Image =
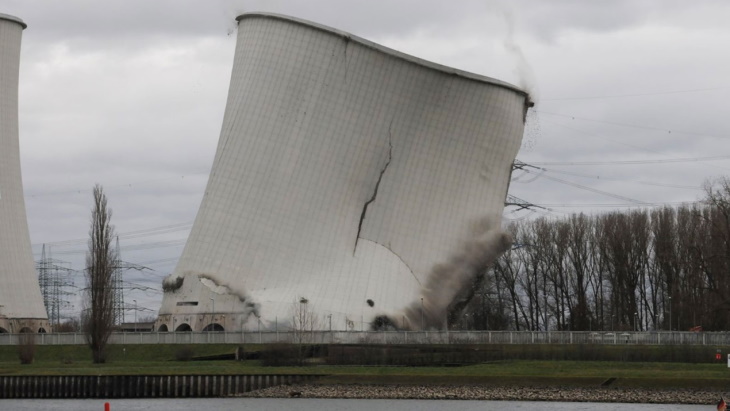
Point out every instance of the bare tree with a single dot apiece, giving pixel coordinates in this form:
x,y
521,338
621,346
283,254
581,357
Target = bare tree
x,y
666,264
99,318
303,323
664,269
579,262
26,347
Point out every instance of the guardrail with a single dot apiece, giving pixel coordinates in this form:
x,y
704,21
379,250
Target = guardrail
x,y
389,337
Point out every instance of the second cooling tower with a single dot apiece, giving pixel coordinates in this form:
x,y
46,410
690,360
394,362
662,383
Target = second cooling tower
x,y
349,178
21,304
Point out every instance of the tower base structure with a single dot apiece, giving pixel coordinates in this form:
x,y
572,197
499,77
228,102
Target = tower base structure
x,y
24,325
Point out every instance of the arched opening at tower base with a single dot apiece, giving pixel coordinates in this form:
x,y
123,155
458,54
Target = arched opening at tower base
x,y
183,328
213,327
3,331
163,328
25,330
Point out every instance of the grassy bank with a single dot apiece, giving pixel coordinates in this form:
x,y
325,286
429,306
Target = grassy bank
x,y
164,359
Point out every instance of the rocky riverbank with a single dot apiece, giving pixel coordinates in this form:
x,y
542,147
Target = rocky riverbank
x,y
476,392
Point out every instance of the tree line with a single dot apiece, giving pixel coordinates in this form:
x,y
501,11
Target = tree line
x,y
658,269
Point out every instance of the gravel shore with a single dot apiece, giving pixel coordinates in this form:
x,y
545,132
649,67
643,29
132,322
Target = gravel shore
x,y
476,392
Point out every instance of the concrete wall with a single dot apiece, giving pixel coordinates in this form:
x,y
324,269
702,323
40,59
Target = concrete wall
x,y
140,386
346,174
21,304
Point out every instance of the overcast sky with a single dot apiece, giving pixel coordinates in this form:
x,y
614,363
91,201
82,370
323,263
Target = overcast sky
x,y
130,94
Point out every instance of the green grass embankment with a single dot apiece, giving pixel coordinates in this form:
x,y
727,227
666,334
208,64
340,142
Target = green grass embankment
x,y
161,360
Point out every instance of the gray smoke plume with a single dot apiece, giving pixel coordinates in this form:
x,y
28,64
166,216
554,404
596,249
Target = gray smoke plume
x,y
171,283
451,284
525,73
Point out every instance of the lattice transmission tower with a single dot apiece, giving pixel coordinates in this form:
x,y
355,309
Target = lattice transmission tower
x,y
55,278
516,201
119,285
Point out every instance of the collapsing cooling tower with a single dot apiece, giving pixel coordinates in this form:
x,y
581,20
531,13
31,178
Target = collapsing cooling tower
x,y
21,304
352,180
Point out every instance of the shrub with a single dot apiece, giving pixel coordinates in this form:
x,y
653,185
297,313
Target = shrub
x,y
184,353
26,348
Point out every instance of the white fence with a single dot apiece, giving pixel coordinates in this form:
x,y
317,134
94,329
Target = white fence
x,y
390,337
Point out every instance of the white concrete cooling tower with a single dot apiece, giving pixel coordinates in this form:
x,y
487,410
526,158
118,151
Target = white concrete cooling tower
x,y
360,181
21,304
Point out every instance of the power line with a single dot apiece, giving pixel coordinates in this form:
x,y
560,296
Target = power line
x,y
613,123
656,93
157,230
526,168
629,202
522,166
593,190
134,247
130,185
629,162
616,179
618,205
594,135
519,203
147,232
162,260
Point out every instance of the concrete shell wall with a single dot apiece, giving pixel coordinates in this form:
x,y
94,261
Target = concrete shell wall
x,y
21,304
345,174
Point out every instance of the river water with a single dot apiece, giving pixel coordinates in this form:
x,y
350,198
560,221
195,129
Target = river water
x,y
301,404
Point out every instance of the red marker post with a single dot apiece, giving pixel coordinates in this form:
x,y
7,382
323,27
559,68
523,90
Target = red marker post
x,y
107,407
